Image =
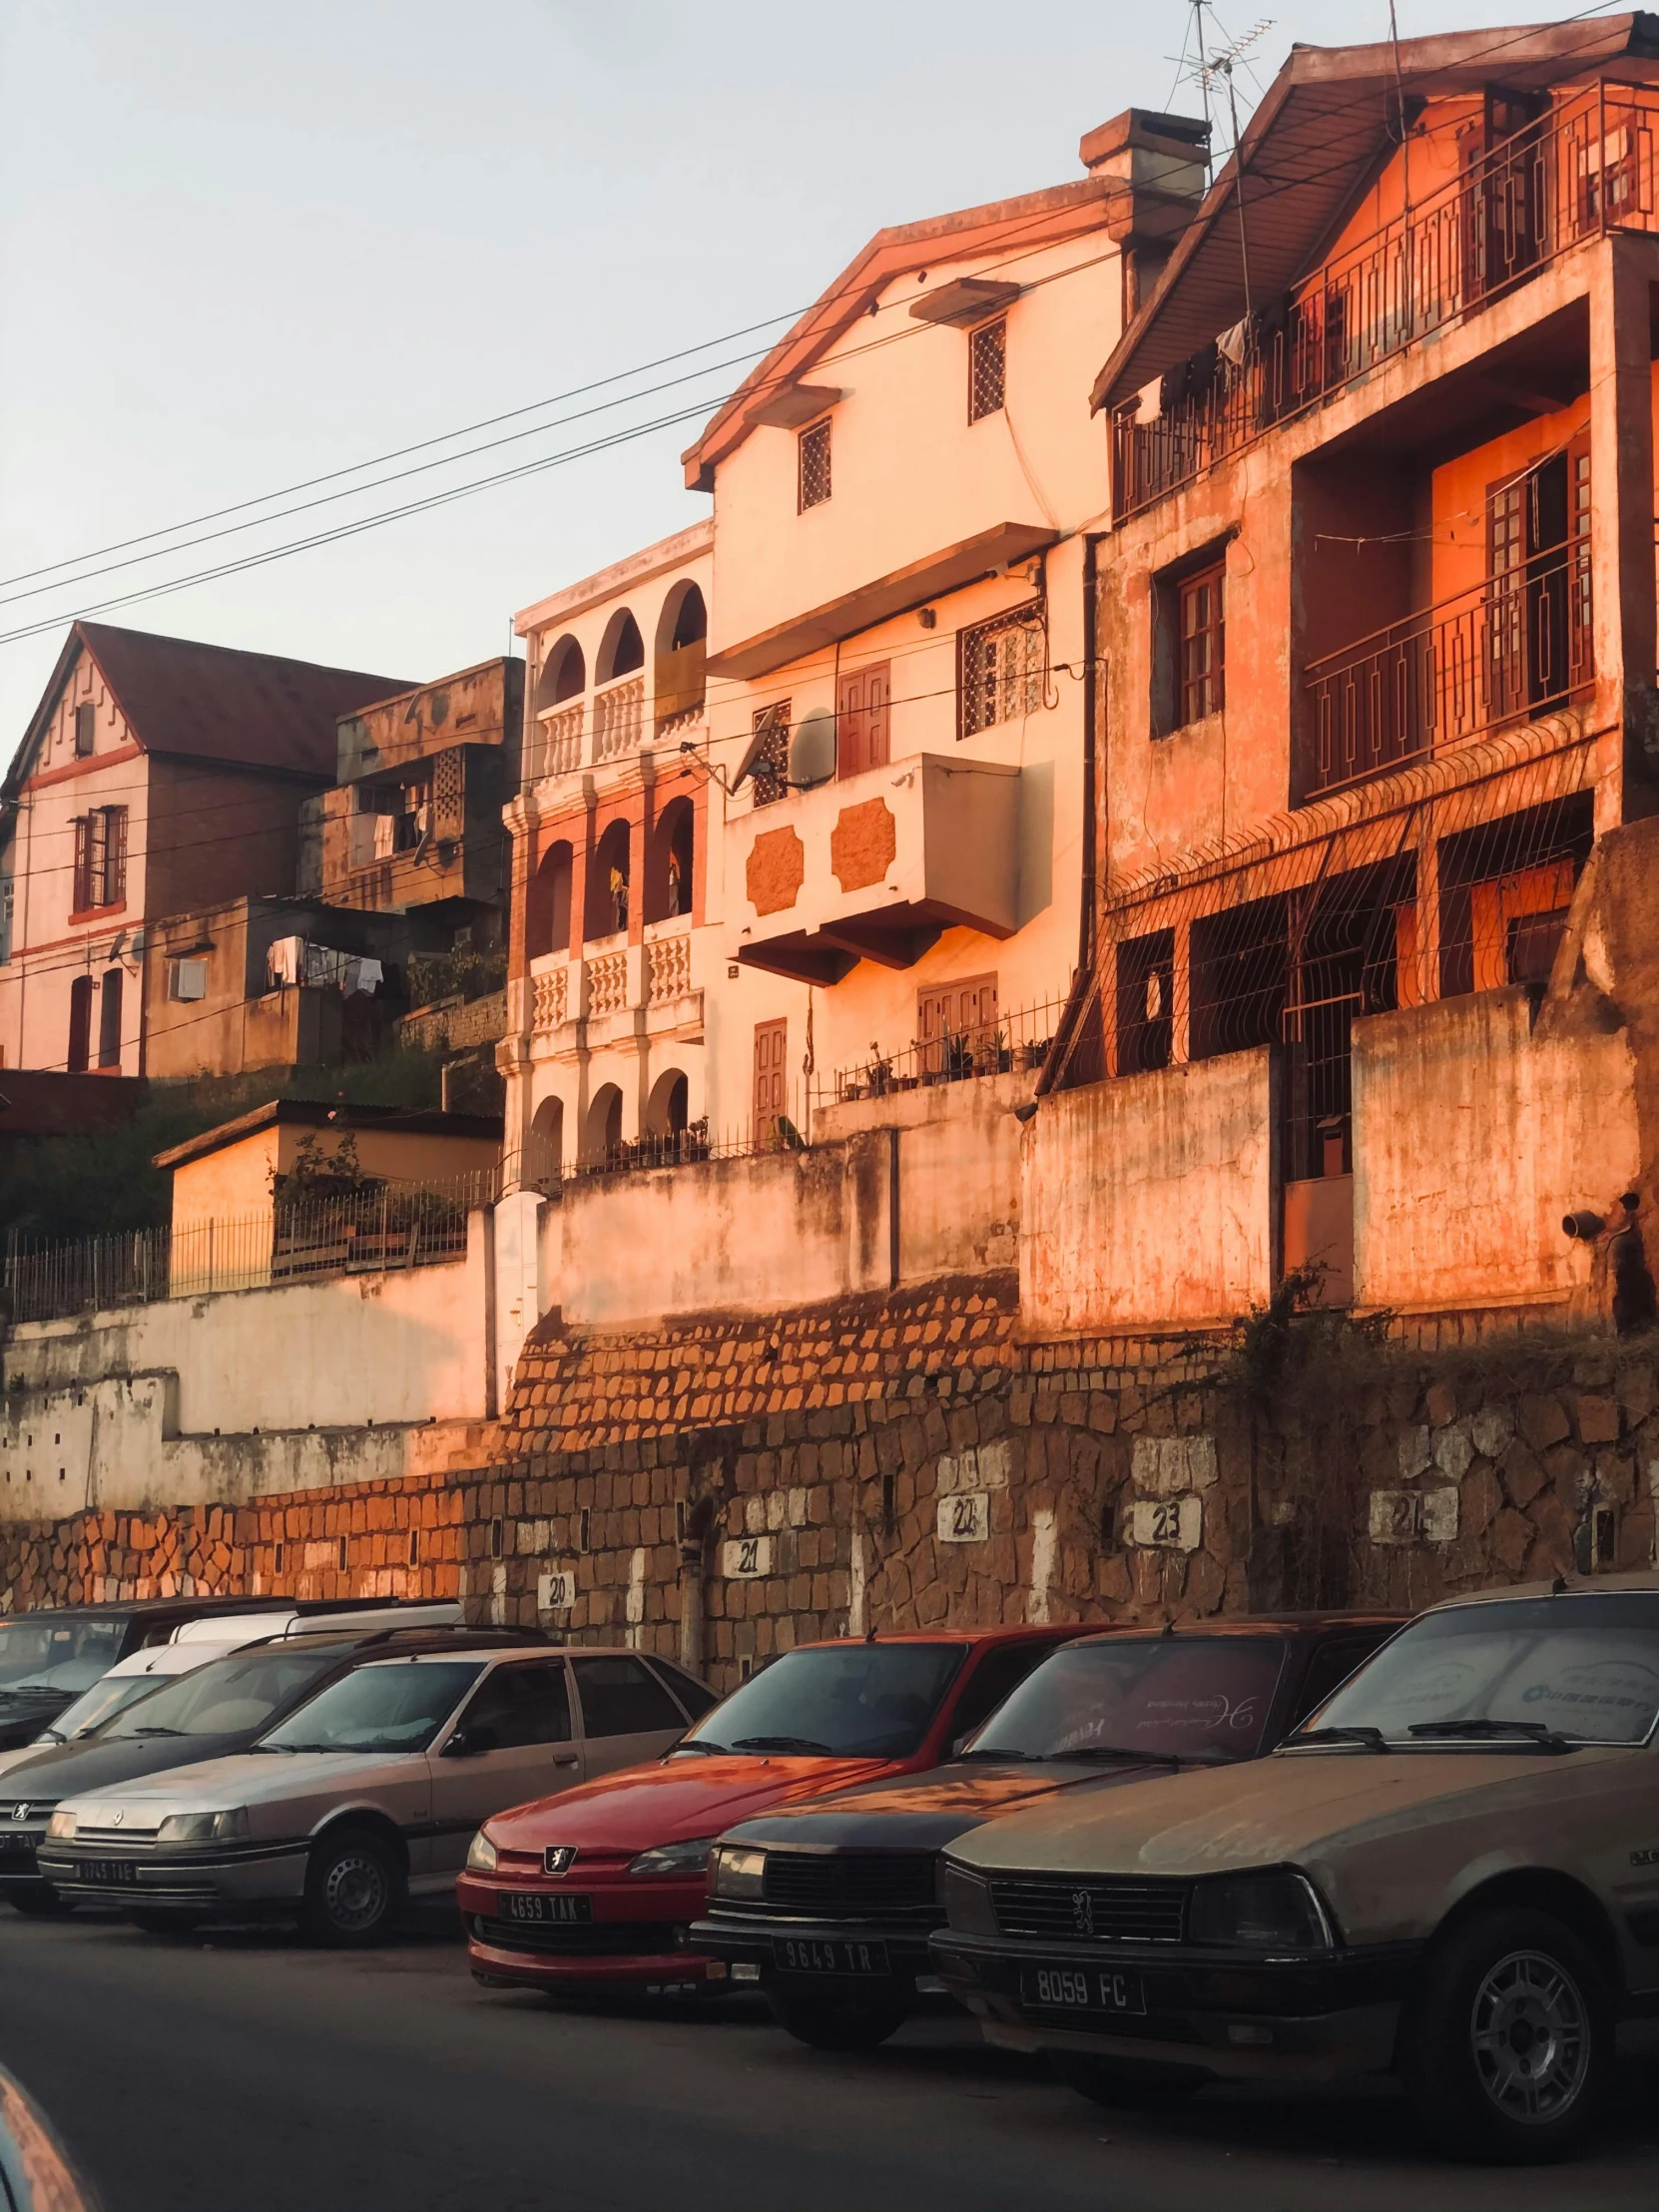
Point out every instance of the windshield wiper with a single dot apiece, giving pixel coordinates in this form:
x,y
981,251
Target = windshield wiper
x,y
1372,1739
298,1747
1113,1751
782,1743
999,1751
694,1743
158,1732
1477,1731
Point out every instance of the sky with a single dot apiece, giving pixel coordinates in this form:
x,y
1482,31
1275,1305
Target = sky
x,y
242,249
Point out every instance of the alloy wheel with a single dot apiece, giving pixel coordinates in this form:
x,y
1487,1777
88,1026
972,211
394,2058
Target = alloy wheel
x,y
1530,2035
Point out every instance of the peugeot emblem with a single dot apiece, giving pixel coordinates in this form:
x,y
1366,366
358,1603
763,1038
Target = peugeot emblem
x,y
559,1858
1082,1911
117,1817
20,1812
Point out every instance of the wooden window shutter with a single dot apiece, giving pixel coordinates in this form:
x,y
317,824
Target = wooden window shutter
x,y
864,699
79,896
1581,661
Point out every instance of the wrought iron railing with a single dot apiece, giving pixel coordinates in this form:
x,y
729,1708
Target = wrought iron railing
x,y
1000,1046
1586,168
1499,652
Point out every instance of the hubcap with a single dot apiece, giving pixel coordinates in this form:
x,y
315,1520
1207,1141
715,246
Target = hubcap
x,y
354,1893
1531,2038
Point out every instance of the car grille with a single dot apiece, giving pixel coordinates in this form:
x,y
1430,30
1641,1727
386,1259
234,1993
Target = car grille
x,y
1105,1911
851,1882
597,1940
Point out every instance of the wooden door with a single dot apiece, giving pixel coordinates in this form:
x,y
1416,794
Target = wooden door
x,y
956,1028
863,711
771,1080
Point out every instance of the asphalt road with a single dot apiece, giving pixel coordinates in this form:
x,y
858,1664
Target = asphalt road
x,y
246,2073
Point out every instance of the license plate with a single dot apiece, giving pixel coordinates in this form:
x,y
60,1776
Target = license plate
x,y
17,1847
1081,1990
813,1955
120,1874
533,1905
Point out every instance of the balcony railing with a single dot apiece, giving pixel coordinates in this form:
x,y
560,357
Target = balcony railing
x,y
618,717
1500,652
1007,1043
1586,168
557,747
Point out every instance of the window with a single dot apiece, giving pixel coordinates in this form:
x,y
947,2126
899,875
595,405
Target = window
x,y
621,1697
814,453
187,979
987,369
771,1082
8,908
80,1026
997,1676
864,715
956,1028
85,729
771,767
99,874
1201,603
109,1019
521,1705
1002,666
1146,1002
694,1696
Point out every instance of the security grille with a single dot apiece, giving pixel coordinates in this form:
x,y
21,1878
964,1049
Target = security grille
x,y
1097,1912
987,369
770,774
1002,669
815,466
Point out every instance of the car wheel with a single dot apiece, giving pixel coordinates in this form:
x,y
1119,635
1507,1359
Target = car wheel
x,y
1508,2045
158,1921
41,1903
826,2025
353,1889
1117,2087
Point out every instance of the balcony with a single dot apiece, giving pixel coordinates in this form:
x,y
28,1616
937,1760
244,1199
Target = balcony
x,y
427,833
618,990
1586,169
618,717
877,867
1502,652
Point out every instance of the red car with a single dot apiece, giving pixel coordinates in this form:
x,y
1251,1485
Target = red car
x,y
597,1889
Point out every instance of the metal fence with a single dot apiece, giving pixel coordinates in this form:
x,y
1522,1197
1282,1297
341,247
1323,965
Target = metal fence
x,y
376,1229
1018,1040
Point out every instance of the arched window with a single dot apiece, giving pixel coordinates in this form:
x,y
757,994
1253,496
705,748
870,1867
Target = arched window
x,y
547,904
604,1139
544,1163
608,883
80,1024
681,654
109,1019
620,649
564,675
669,889
669,1109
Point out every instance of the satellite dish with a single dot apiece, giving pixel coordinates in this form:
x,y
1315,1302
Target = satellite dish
x,y
750,757
813,748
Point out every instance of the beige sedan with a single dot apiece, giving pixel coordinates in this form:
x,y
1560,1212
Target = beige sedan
x,y
1451,1873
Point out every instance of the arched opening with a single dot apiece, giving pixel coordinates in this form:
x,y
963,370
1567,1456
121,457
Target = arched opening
x,y
547,904
608,885
109,1020
681,654
668,1108
670,887
621,649
544,1160
80,1026
603,1140
564,675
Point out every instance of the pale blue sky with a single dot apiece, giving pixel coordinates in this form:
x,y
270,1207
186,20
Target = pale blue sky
x,y
243,245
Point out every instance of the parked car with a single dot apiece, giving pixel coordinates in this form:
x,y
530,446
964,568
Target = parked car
x,y
217,1708
368,1791
1451,1873
35,2170
48,1658
830,1904
599,1888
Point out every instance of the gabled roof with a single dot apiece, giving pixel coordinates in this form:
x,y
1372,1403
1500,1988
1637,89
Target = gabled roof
x,y
214,702
1326,124
1035,219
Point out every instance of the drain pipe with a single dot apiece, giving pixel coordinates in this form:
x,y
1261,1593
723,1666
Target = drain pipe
x,y
1082,981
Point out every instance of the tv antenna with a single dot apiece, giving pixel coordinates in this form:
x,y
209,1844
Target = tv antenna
x,y
1219,71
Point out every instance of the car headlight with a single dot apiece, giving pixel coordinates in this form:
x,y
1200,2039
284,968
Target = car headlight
x,y
738,1871
1258,1911
201,1828
687,1858
62,1825
480,1855
967,1900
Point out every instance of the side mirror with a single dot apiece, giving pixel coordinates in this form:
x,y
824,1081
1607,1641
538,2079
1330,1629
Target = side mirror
x,y
467,1742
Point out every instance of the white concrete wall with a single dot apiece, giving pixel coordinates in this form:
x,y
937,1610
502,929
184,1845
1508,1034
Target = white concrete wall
x,y
1148,1200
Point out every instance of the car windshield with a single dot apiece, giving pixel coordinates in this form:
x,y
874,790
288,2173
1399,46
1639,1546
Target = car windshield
x,y
397,1705
228,1697
97,1707
1580,1666
1173,1697
875,1701
40,1655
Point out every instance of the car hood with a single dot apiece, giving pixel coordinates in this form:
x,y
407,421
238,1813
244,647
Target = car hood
x,y
671,1802
925,1812
70,1769
244,1778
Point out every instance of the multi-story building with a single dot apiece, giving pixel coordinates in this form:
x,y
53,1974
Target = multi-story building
x,y
156,776
1376,621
